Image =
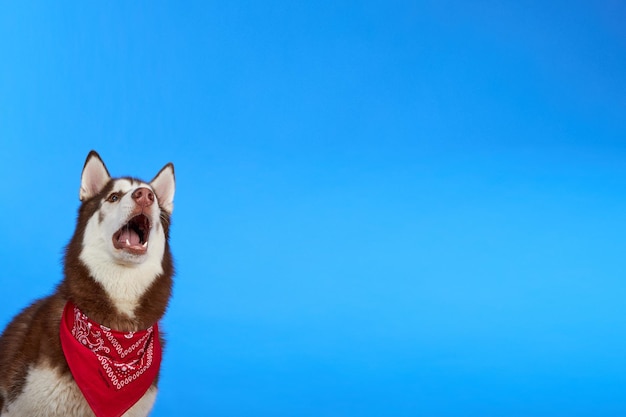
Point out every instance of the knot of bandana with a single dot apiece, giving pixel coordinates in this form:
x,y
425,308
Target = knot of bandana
x,y
112,369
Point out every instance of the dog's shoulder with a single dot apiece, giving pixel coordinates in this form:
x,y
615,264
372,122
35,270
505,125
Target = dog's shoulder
x,y
31,338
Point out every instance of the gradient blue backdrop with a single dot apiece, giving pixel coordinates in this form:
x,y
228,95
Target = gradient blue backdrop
x,y
383,208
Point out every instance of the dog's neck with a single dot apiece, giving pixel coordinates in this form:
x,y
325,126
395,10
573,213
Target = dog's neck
x,y
125,285
131,303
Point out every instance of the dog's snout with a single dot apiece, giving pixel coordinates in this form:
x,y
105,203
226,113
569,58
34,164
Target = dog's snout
x,y
143,196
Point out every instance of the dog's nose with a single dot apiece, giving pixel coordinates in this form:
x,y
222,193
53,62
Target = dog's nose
x,y
143,196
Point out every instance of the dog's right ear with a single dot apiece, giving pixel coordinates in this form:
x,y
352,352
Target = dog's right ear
x,y
95,176
164,185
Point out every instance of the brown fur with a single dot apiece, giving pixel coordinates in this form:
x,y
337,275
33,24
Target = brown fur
x,y
33,336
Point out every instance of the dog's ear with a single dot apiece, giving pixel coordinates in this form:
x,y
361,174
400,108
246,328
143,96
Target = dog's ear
x,y
164,186
95,176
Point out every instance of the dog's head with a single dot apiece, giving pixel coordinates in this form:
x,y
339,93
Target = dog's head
x,y
126,220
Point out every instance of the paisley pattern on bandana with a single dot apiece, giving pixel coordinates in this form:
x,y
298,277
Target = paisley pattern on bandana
x,y
112,369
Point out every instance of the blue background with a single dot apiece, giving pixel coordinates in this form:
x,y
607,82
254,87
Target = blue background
x,y
383,208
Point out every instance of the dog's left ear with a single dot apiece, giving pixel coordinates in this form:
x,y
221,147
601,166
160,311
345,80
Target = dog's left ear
x,y
164,186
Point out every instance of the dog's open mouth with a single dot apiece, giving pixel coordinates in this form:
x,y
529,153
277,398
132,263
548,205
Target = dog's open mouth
x,y
133,236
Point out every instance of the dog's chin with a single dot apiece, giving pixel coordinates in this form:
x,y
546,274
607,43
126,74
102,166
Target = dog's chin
x,y
127,257
129,249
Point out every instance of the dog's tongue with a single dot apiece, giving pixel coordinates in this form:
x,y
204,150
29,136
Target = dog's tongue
x,y
131,236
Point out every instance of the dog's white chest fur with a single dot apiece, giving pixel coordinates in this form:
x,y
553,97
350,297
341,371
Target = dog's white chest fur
x,y
47,393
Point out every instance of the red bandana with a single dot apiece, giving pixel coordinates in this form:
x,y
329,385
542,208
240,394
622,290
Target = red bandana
x,y
112,369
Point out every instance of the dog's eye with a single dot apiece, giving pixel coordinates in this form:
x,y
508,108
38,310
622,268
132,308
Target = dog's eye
x,y
113,197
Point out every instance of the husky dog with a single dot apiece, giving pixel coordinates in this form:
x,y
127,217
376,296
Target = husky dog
x,y
93,346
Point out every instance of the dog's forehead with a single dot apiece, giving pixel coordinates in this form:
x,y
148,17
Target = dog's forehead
x,y
128,184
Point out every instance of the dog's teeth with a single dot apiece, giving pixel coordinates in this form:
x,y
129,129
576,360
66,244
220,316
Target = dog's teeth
x,y
145,245
127,242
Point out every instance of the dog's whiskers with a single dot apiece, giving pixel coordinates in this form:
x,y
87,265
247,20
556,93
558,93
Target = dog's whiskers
x,y
164,219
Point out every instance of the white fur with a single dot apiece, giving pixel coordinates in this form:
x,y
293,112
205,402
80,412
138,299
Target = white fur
x,y
124,276
47,393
